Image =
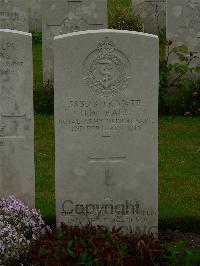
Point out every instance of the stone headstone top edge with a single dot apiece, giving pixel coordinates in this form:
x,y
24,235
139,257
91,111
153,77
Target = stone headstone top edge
x,y
16,32
105,31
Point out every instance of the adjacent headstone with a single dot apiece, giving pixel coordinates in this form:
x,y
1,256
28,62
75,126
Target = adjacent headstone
x,y
152,14
14,15
106,123
16,116
35,15
65,16
183,25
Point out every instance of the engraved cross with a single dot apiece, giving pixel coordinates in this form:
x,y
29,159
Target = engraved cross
x,y
108,173
75,11
106,71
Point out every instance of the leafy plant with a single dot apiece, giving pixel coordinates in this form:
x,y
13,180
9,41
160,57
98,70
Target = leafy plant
x,y
179,254
179,87
37,37
121,17
91,245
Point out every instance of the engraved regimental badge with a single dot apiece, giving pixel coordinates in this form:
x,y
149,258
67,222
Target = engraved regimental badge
x,y
106,70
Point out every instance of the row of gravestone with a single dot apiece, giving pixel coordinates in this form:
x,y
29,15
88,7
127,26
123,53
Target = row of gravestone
x,y
60,17
106,123
152,12
105,109
180,18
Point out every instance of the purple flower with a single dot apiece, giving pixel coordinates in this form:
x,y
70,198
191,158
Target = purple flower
x,y
19,226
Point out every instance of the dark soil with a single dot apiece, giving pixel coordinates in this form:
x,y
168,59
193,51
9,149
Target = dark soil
x,y
169,237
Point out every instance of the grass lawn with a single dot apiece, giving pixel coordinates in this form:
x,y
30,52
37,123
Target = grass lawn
x,y
37,66
44,165
179,171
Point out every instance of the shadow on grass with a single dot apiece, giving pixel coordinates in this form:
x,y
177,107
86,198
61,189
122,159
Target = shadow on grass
x,y
184,224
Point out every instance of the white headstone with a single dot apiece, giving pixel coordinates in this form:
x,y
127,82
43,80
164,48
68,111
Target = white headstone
x,y
106,123
152,14
16,116
14,15
66,16
183,25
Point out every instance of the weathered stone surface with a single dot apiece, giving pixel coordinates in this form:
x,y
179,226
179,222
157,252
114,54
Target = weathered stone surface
x,y
16,116
183,25
152,14
14,15
106,101
35,15
66,16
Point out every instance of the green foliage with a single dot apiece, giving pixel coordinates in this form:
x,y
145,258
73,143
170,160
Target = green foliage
x,y
179,82
121,17
37,37
185,99
179,254
43,101
123,3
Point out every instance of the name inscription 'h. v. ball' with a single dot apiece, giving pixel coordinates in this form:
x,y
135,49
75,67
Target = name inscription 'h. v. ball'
x,y
106,70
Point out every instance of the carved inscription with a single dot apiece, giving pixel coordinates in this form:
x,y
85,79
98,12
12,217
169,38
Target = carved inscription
x,y
10,19
104,115
13,15
125,214
106,70
8,63
12,125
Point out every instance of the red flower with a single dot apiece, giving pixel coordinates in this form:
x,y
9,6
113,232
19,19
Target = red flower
x,y
168,42
195,93
187,114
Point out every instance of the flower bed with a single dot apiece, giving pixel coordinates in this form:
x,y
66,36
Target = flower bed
x,y
26,240
89,245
